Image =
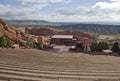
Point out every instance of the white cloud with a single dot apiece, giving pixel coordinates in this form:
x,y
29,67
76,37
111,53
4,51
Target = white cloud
x,y
110,5
44,1
107,11
29,9
9,12
115,0
39,4
32,9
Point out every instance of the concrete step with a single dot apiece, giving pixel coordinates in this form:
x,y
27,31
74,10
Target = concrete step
x,y
38,79
59,72
58,69
61,75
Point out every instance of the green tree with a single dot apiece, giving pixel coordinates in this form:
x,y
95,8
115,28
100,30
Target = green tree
x,y
3,42
31,44
37,45
93,46
102,46
115,47
25,45
8,42
17,41
22,44
105,45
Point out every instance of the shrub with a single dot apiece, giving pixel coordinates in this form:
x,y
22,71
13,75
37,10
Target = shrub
x,y
4,42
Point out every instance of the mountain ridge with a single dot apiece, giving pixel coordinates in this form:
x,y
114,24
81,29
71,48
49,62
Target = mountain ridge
x,y
85,27
62,23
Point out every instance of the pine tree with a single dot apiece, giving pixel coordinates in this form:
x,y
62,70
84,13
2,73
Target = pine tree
x,y
105,46
93,46
100,46
115,47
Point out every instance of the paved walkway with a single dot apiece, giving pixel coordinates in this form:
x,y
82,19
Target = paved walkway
x,y
60,49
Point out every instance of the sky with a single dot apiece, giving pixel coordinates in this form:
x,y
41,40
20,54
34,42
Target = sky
x,y
61,10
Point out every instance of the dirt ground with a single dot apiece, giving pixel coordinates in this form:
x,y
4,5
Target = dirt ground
x,y
57,67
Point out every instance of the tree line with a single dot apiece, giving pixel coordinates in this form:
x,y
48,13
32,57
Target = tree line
x,y
103,46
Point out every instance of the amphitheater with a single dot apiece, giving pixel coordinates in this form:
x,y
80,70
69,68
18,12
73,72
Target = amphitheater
x,y
36,65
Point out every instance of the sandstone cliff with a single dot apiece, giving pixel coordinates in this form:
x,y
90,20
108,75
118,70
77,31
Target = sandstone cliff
x,y
11,33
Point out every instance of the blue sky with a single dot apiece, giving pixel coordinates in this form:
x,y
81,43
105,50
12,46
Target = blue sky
x,y
61,10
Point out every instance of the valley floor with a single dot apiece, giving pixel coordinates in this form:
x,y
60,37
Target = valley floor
x,y
37,65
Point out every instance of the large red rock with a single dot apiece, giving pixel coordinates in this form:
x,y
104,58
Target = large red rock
x,y
11,33
40,31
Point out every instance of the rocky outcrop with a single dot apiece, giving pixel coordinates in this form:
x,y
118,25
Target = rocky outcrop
x,y
40,31
11,33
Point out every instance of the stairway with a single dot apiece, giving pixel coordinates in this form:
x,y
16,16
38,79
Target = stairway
x,y
53,67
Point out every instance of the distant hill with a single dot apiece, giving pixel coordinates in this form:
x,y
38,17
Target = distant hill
x,y
29,22
95,28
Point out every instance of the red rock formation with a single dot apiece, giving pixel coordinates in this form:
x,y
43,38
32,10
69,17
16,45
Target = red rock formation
x,y
11,33
40,31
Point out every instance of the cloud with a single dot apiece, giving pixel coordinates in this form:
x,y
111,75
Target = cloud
x,y
40,4
28,9
33,9
110,5
100,11
12,12
115,0
43,1
8,12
